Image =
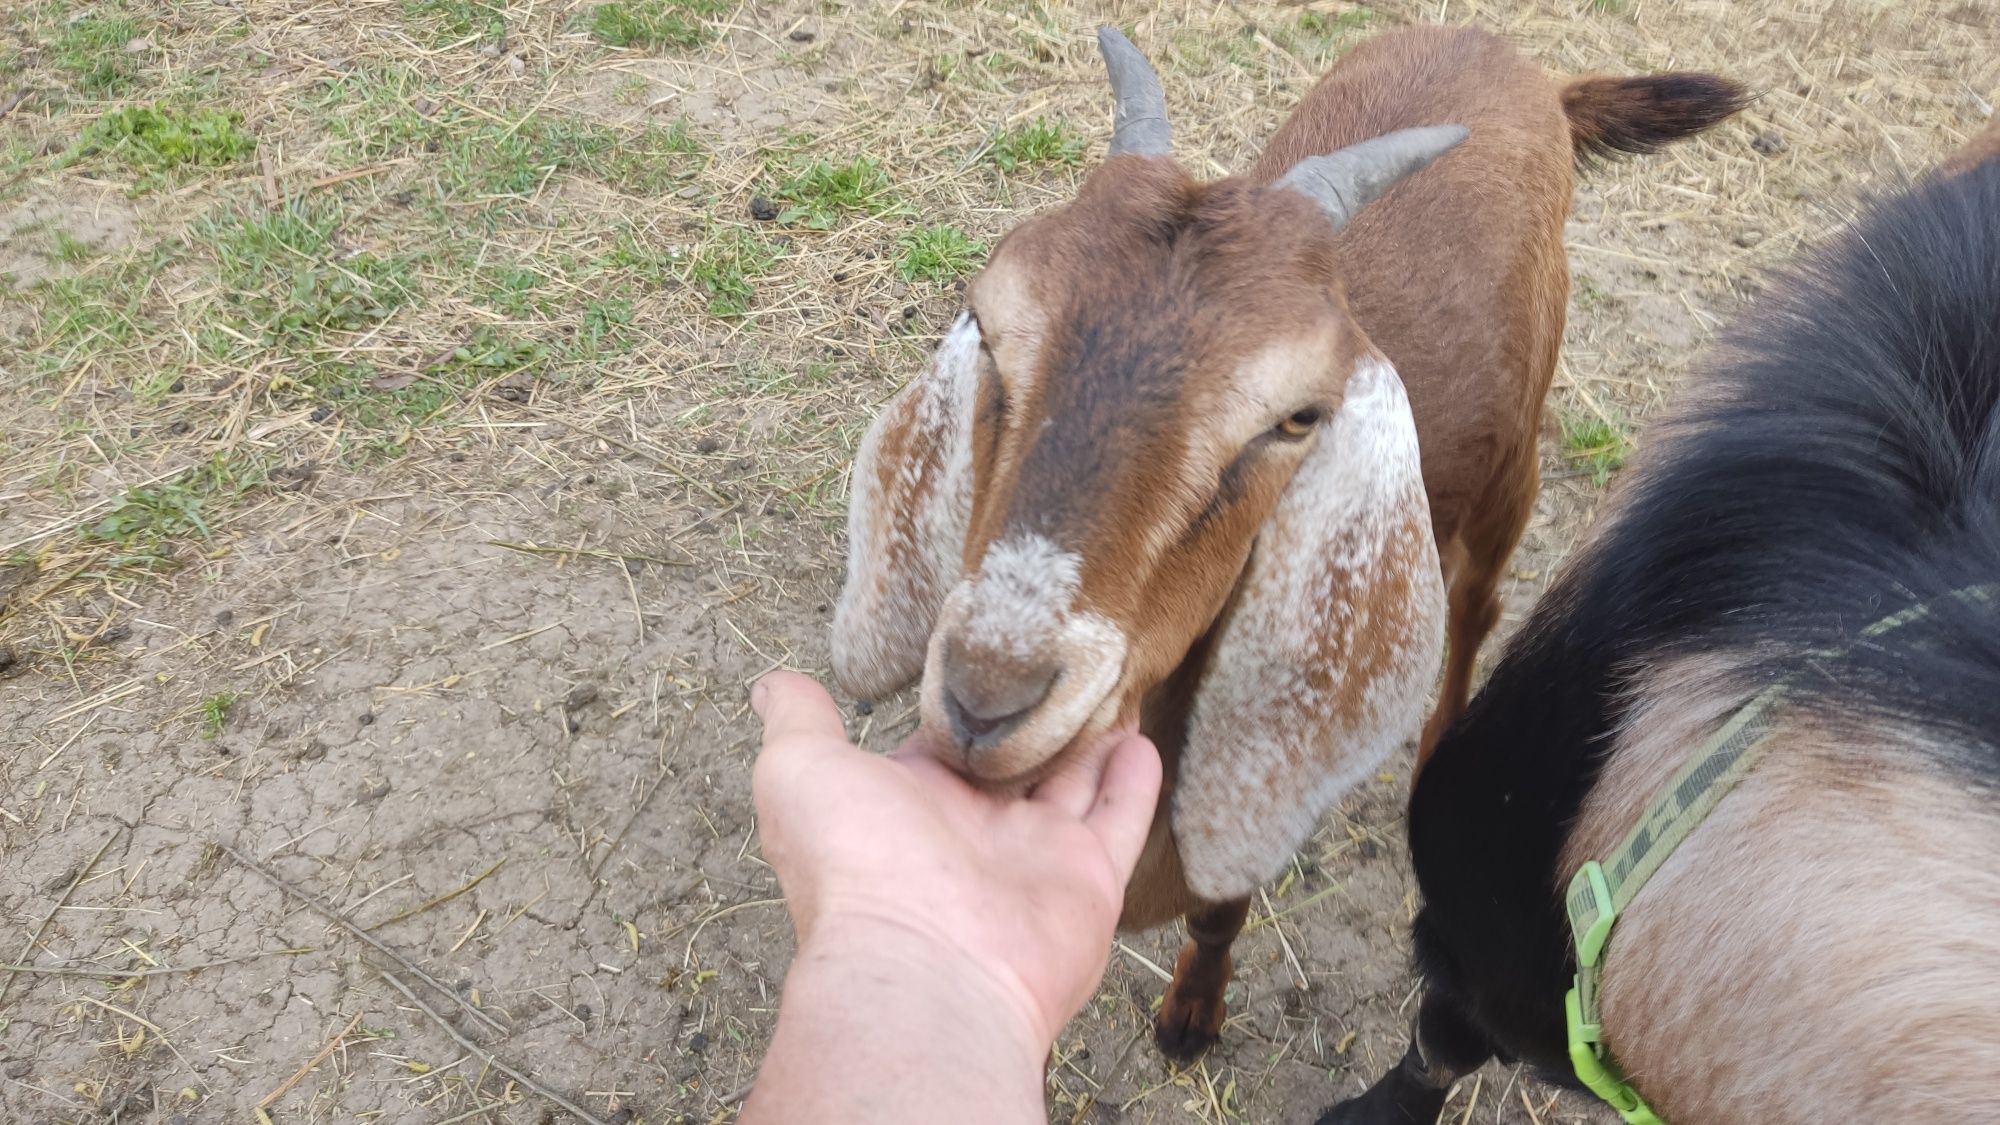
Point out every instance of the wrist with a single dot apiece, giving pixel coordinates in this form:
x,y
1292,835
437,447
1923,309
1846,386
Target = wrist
x,y
919,1033
928,975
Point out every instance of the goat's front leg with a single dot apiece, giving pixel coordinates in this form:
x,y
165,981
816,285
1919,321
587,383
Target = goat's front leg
x,y
1191,1014
1444,1047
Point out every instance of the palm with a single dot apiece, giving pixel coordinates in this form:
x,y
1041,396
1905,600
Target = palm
x,y
1028,890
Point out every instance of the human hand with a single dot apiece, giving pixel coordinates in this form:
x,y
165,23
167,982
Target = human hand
x,y
899,857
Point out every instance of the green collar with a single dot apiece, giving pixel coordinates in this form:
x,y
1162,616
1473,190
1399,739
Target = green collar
x,y
1600,891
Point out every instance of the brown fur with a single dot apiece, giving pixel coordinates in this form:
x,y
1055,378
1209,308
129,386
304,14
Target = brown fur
x,y
1464,293
1136,221
1609,116
1984,146
1151,292
1707,983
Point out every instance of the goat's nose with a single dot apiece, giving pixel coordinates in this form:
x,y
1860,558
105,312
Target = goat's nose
x,y
986,700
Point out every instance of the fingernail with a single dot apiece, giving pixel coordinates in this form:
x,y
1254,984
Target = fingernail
x,y
758,694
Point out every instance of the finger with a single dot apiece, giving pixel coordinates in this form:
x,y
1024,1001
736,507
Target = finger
x,y
795,707
925,746
1122,816
1072,786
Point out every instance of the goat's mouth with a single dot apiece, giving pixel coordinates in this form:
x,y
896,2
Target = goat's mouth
x,y
1008,728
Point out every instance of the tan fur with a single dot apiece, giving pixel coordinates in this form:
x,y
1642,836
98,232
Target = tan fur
x,y
1984,146
1825,946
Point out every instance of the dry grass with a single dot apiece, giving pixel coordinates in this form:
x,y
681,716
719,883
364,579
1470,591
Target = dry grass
x,y
481,257
450,258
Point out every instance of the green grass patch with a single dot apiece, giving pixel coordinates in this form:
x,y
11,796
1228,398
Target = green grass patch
x,y
1041,142
215,712
458,21
152,141
1317,37
87,315
605,328
491,354
150,513
656,25
1595,444
938,253
511,161
92,51
723,268
71,250
1335,23
382,111
288,280
821,193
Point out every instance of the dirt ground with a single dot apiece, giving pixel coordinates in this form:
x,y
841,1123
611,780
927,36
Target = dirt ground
x,y
396,509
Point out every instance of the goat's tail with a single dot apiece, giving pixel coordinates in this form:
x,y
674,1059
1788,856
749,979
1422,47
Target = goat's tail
x,y
1613,116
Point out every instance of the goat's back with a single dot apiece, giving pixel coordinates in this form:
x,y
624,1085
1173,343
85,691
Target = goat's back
x,y
1822,947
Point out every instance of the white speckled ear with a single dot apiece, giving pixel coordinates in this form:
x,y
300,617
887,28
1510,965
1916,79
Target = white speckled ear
x,y
906,519
1325,661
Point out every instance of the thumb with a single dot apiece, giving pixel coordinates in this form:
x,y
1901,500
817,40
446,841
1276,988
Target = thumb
x,y
795,707
1122,815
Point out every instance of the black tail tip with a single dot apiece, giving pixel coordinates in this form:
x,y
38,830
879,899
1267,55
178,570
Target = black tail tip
x,y
1612,117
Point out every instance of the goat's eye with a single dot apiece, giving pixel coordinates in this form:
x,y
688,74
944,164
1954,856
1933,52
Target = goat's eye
x,y
1299,424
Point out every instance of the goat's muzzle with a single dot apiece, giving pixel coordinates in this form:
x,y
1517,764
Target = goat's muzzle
x,y
1017,671
987,695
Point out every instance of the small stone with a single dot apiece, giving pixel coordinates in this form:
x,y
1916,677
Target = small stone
x,y
321,414
19,1068
802,35
138,46
1768,143
367,719
708,445
517,66
582,695
691,191
375,794
698,1042
1749,238
762,210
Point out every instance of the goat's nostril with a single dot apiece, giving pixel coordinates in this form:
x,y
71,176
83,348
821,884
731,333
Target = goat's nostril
x,y
985,708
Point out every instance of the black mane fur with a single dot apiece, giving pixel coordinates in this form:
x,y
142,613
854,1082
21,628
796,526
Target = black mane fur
x,y
1843,464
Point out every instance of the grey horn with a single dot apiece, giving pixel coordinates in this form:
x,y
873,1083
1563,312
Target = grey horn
x,y
1139,123
1344,182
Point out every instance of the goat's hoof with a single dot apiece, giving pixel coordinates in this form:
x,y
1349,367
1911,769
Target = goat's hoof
x,y
1184,1029
1393,1100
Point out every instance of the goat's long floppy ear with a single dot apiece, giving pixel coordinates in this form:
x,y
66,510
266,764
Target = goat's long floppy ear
x,y
1324,660
1344,181
906,517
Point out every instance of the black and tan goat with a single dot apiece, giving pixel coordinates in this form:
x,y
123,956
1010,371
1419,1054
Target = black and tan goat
x,y
1162,471
1798,587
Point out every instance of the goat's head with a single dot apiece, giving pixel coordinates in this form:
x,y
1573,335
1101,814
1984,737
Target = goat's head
x,y
1145,384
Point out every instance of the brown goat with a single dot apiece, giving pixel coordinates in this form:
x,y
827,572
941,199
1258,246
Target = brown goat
x,y
1164,471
